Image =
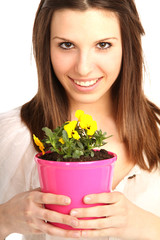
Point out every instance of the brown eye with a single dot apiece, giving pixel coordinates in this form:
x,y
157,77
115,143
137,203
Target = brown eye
x,y
103,45
66,45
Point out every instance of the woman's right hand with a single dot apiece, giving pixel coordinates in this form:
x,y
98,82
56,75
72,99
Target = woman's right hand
x,y
25,214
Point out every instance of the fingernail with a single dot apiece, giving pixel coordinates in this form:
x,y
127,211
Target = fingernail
x,y
73,213
67,201
74,223
87,199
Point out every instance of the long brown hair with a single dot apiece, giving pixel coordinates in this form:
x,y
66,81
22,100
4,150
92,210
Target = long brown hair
x,y
137,117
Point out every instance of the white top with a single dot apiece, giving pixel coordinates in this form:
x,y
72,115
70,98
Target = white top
x,y
18,171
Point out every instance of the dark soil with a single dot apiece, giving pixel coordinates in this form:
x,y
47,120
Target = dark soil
x,y
98,155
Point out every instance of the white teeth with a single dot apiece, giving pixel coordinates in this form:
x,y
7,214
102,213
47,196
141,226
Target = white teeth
x,y
86,84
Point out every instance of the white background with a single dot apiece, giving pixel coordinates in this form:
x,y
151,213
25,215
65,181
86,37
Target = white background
x,y
18,78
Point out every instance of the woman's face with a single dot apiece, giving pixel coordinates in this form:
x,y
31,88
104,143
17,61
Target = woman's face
x,y
86,52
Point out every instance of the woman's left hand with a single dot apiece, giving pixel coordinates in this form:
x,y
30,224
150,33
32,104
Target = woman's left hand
x,y
118,217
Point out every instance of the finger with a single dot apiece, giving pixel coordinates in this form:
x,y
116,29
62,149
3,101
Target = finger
x,y
35,226
97,211
110,232
49,198
106,198
52,216
102,223
55,231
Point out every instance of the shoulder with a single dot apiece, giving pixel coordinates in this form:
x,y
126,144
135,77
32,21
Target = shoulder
x,y
11,120
7,119
17,166
13,132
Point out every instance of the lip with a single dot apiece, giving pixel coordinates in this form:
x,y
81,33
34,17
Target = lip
x,y
85,88
85,80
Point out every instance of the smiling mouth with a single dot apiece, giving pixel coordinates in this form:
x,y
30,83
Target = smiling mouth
x,y
86,83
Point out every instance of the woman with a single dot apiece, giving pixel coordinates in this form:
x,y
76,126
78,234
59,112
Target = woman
x,y
89,57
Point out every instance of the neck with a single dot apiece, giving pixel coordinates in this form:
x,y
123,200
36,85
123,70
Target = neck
x,y
98,109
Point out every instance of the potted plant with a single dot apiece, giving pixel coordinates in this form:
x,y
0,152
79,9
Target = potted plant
x,y
72,165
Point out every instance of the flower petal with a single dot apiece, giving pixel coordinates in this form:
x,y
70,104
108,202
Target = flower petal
x,y
79,114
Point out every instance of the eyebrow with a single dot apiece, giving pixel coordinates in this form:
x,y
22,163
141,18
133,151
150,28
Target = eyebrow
x,y
67,40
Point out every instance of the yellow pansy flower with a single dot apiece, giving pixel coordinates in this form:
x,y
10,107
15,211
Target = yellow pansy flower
x,y
39,144
88,124
61,140
86,121
75,135
70,127
79,114
92,128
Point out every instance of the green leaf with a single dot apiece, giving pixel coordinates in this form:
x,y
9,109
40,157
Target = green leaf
x,y
92,154
80,145
48,132
67,156
77,153
65,136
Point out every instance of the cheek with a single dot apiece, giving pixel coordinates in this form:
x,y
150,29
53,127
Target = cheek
x,y
61,62
112,64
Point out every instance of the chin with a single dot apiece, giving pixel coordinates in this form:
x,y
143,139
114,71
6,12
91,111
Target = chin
x,y
85,99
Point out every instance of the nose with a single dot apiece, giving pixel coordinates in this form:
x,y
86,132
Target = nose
x,y
84,64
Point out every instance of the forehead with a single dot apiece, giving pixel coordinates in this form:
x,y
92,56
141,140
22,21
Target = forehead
x,y
92,22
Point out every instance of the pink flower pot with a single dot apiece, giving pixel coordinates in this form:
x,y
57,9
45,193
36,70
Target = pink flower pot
x,y
75,180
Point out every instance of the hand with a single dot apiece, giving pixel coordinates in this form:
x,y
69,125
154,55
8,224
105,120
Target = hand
x,y
25,214
118,218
